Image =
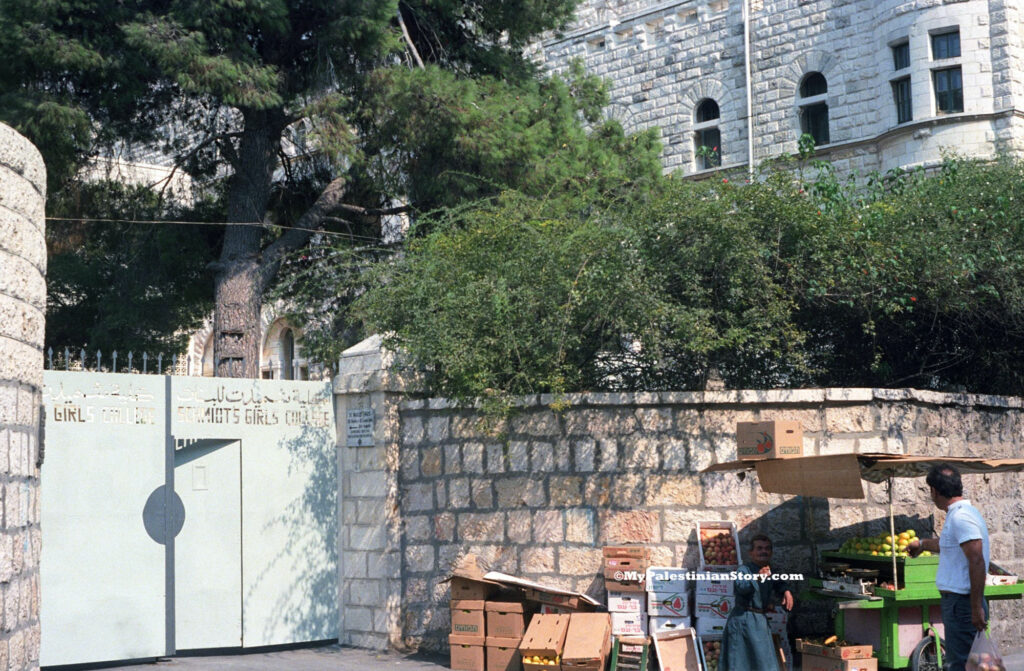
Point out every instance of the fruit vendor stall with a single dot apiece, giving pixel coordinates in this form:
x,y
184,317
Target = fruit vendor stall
x,y
884,598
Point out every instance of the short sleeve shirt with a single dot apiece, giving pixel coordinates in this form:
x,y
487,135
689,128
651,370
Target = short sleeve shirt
x,y
963,523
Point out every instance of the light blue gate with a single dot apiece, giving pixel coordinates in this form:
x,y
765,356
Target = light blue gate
x,y
185,513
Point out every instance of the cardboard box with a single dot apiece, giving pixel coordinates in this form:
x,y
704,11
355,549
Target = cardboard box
x,y
627,602
660,624
468,589
634,586
505,619
668,604
468,618
548,609
467,652
545,637
718,587
709,626
560,600
634,551
719,526
678,651
625,568
714,605
667,579
587,642
819,663
769,440
837,652
502,654
629,624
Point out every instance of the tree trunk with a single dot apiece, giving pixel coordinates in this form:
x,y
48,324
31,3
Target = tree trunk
x,y
239,285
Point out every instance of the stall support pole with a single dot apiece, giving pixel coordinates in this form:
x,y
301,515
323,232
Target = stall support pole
x,y
892,536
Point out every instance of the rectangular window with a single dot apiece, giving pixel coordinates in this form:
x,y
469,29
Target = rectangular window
x,y
946,45
901,96
949,91
708,147
814,122
901,56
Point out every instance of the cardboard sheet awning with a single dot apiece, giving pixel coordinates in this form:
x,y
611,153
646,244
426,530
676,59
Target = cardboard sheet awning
x,y
841,475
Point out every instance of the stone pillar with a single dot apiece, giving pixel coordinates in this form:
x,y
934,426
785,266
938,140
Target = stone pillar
x,y
369,553
22,309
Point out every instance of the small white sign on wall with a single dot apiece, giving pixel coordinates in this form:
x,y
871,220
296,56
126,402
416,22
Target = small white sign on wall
x,y
360,427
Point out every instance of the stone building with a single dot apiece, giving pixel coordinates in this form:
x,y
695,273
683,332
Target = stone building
x,y
880,84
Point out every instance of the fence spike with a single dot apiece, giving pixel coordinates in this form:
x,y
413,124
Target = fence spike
x,y
115,362
99,361
145,362
49,354
160,364
129,361
67,358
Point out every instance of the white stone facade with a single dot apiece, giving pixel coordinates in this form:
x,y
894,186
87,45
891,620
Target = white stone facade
x,y
663,58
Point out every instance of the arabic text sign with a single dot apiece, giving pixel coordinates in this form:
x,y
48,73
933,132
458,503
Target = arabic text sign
x,y
230,408
359,425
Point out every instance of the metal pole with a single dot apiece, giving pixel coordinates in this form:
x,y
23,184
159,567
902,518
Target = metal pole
x,y
892,537
750,102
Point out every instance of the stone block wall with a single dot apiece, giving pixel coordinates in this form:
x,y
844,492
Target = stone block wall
x,y
22,309
538,495
662,58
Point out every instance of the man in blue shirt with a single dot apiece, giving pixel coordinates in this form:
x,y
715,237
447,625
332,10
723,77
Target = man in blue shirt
x,y
963,563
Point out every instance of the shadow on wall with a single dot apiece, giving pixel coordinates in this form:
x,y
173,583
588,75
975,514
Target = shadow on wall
x,y
308,608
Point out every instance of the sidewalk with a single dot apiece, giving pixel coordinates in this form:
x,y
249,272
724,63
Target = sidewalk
x,y
336,658
329,658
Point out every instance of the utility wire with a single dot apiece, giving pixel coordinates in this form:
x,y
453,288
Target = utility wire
x,y
213,223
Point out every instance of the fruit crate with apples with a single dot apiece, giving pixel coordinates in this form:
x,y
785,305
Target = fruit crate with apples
x,y
719,545
712,647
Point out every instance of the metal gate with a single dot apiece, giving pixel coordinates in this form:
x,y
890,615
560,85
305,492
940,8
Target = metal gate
x,y
185,513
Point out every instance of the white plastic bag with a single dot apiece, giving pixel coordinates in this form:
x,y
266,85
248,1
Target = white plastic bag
x,y
984,655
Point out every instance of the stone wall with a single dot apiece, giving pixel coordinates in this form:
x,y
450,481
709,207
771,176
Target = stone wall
x,y
662,58
22,307
539,495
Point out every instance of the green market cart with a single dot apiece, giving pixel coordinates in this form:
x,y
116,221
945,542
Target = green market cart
x,y
900,624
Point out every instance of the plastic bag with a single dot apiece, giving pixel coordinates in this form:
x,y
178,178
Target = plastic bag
x,y
984,655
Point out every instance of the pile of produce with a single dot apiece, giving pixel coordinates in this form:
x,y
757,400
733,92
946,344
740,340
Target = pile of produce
x,y
718,547
546,661
882,545
712,651
984,661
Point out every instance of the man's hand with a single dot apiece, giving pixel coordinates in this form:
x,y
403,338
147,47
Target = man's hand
x,y
914,547
765,570
787,600
978,618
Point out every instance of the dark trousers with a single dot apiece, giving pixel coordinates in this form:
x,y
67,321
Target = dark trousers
x,y
960,631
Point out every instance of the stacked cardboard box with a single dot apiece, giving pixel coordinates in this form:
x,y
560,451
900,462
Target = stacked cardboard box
x,y
668,599
838,658
769,440
506,624
625,567
588,642
542,645
468,623
713,601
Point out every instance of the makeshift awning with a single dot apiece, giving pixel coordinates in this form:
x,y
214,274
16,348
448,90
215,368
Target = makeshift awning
x,y
841,475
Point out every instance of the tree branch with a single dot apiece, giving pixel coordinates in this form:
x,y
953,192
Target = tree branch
x,y
374,211
408,39
311,221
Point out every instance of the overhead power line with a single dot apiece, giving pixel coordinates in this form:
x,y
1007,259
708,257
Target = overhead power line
x,y
213,223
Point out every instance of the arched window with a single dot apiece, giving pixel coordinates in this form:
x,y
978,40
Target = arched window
x,y
707,139
814,107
